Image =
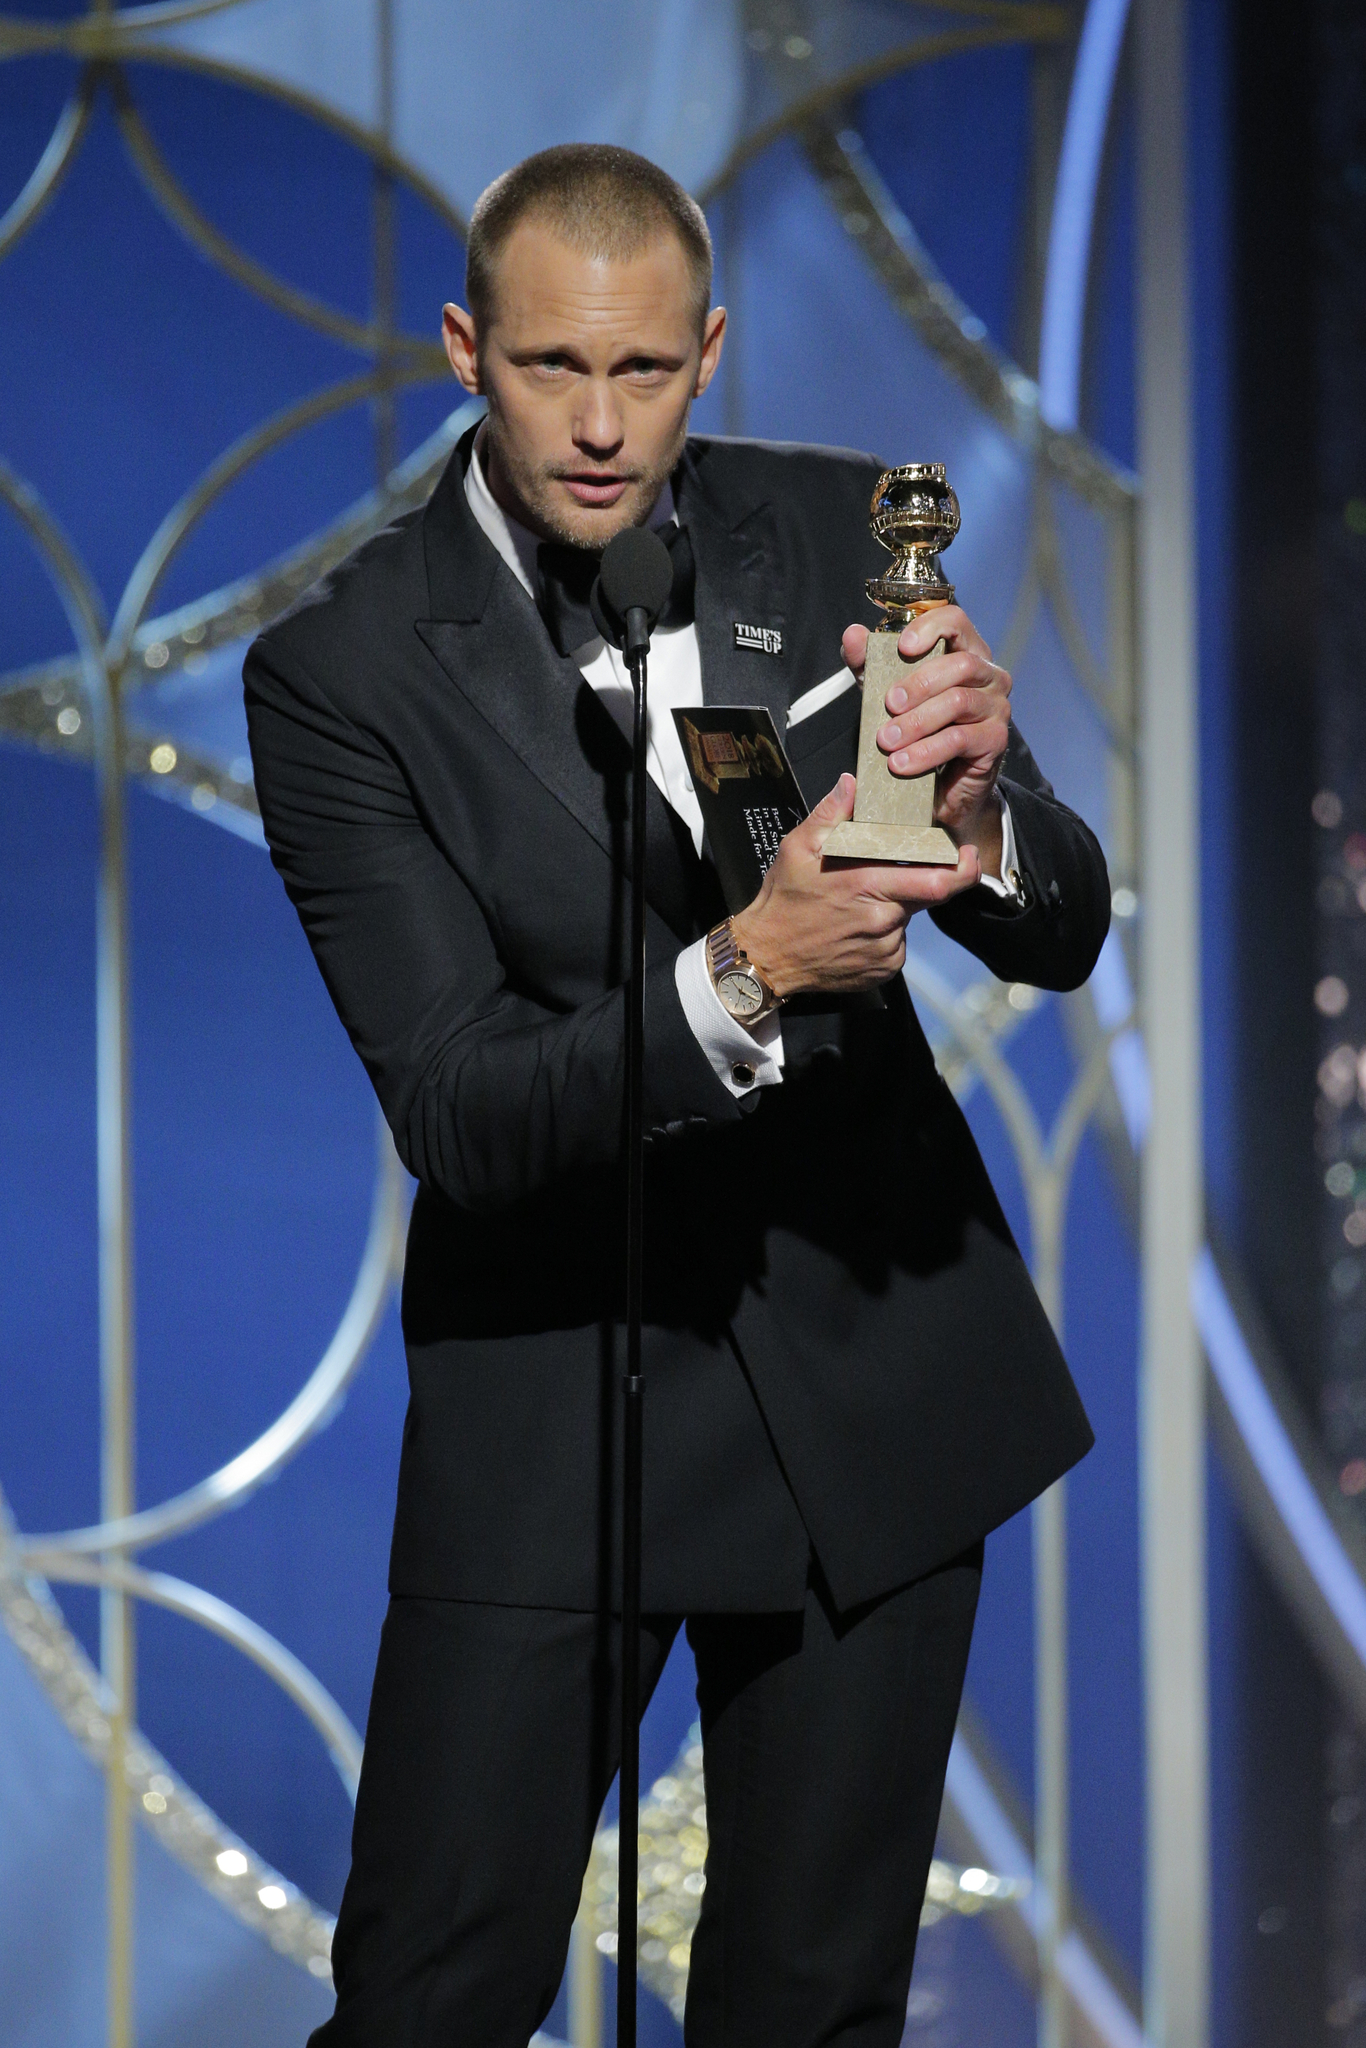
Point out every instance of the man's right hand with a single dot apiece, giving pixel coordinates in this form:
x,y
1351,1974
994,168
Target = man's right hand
x,y
838,926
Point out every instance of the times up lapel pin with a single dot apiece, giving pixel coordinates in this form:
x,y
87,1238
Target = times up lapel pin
x,y
759,639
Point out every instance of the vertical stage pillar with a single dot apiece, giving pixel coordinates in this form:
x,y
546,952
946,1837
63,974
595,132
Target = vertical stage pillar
x,y
113,1119
1171,1396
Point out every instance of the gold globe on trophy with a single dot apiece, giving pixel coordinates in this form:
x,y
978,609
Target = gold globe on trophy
x,y
915,516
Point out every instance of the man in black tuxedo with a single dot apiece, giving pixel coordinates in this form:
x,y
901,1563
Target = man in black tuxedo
x,y
850,1379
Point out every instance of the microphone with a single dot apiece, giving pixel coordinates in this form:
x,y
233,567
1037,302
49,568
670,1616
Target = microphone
x,y
632,588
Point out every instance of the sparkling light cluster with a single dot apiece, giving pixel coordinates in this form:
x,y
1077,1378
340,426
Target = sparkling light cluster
x,y
673,1855
1340,1137
186,1828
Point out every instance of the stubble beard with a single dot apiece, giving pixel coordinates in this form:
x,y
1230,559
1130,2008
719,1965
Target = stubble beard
x,y
542,500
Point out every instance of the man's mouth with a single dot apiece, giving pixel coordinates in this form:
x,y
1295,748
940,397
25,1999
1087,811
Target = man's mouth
x,y
595,487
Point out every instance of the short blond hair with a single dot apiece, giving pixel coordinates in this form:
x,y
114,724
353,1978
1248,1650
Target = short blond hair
x,y
608,202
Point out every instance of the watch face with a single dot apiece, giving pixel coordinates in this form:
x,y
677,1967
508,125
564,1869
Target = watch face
x,y
740,993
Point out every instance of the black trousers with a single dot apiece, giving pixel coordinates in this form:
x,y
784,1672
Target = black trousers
x,y
491,1743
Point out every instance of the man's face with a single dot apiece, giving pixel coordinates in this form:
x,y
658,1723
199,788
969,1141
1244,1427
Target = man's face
x,y
589,368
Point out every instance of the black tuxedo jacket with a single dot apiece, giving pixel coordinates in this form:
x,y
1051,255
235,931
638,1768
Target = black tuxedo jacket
x,y
843,1349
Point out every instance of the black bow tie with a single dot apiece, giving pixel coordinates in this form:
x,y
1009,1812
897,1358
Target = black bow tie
x,y
564,577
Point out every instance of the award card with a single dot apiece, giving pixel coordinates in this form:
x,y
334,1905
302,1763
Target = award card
x,y
749,795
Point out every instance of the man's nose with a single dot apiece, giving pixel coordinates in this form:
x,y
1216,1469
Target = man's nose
x,y
597,424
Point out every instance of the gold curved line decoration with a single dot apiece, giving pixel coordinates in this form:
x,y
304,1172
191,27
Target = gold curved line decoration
x,y
1084,1032
1022,616
1045,1162
1054,1192
75,586
1043,583
113,1179
379,152
50,169
870,216
33,698
1080,1103
379,1271
230,1625
104,31
93,33
172,13
251,602
20,38
1053,585
1004,1086
906,57
50,716
185,514
1084,468
166,192
185,1827
113,47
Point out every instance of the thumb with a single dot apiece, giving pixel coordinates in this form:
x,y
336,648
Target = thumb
x,y
831,811
854,647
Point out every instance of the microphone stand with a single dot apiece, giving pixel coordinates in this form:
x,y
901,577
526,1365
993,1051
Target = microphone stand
x,y
633,1386
633,582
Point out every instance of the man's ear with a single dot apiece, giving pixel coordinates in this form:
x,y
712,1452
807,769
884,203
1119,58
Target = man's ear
x,y
461,343
713,334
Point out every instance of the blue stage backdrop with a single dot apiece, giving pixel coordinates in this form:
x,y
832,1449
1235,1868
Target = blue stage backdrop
x,y
131,364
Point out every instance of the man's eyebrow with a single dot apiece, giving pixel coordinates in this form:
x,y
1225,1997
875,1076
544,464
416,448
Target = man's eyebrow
x,y
653,355
534,351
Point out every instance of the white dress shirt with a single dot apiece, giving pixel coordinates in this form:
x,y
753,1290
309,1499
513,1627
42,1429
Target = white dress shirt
x,y
742,1060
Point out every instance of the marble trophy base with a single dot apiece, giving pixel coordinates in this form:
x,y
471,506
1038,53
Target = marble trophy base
x,y
893,814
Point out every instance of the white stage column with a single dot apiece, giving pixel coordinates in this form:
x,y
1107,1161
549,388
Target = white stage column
x,y
1172,1418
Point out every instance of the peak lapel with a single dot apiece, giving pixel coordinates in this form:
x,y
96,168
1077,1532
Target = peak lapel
x,y
739,582
489,639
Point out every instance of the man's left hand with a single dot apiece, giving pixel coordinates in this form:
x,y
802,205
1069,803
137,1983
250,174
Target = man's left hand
x,y
952,716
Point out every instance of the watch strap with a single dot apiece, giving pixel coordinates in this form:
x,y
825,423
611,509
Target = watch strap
x,y
725,955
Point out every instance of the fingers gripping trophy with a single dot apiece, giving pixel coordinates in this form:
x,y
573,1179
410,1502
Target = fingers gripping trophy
x,y
915,516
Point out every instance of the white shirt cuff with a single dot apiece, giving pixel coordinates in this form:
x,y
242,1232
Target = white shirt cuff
x,y
1010,863
727,1044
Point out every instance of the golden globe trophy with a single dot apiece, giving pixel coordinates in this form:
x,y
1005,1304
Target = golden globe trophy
x,y
915,515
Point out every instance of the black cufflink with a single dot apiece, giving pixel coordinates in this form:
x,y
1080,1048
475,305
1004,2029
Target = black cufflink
x,y
742,1074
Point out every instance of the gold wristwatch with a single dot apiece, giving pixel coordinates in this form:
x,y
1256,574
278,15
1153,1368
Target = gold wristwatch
x,y
736,979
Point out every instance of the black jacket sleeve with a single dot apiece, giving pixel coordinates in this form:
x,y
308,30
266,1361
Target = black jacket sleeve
x,y
1054,941
490,1096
